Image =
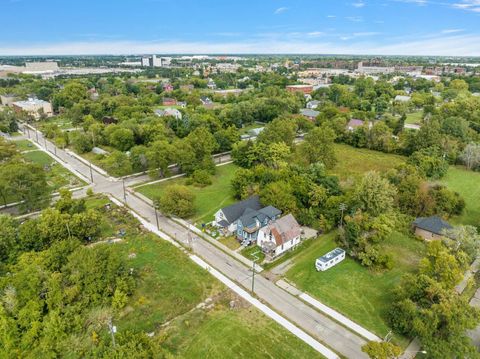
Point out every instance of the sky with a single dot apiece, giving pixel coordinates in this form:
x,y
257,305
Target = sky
x,y
369,27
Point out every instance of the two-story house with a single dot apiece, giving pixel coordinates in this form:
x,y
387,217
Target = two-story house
x,y
252,221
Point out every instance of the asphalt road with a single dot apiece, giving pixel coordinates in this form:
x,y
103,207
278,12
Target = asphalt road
x,y
316,324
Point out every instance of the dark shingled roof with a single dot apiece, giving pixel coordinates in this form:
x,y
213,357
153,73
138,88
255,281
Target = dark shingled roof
x,y
234,211
432,224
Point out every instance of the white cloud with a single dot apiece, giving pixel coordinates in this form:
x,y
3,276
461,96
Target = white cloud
x,y
441,45
452,31
280,10
417,2
315,34
354,18
358,4
331,16
469,5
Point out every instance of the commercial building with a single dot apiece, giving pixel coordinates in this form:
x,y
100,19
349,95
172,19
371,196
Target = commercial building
x,y
34,107
306,89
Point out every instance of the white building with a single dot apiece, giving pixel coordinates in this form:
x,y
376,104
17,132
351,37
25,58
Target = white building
x,y
402,98
330,259
279,236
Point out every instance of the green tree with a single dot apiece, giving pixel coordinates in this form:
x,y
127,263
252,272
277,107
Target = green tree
x,y
177,200
375,194
382,350
318,146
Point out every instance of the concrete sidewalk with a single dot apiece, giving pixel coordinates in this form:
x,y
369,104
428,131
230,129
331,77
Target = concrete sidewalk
x,y
332,313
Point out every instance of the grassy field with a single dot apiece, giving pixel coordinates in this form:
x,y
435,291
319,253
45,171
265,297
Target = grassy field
x,y
231,242
207,199
57,175
232,333
414,118
362,295
356,161
169,289
467,183
24,145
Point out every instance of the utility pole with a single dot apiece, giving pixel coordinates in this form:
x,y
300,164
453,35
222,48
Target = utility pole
x,y
124,192
254,255
156,217
91,174
342,207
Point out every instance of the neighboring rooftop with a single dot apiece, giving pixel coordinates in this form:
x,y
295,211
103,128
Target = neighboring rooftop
x,y
309,112
433,224
285,229
234,211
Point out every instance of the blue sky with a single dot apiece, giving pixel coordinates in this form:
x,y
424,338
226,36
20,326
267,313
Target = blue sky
x,y
391,27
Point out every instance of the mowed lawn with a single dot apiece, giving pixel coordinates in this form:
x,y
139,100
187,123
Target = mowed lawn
x,y
414,118
467,183
356,161
24,145
207,199
362,295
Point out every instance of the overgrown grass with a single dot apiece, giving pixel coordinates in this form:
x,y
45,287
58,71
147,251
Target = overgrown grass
x,y
467,183
232,333
356,161
363,295
169,289
208,199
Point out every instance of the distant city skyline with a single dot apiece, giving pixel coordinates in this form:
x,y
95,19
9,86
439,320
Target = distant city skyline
x,y
358,27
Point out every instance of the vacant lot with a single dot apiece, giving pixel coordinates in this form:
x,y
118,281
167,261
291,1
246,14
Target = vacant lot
x,y
467,183
207,199
169,289
362,295
57,175
356,161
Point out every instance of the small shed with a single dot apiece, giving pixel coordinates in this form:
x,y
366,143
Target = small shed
x,y
431,228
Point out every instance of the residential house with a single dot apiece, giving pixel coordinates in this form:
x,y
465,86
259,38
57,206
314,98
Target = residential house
x,y
227,217
251,221
167,87
206,102
355,123
313,104
279,236
211,84
330,259
93,94
310,114
167,101
430,228
169,111
34,107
